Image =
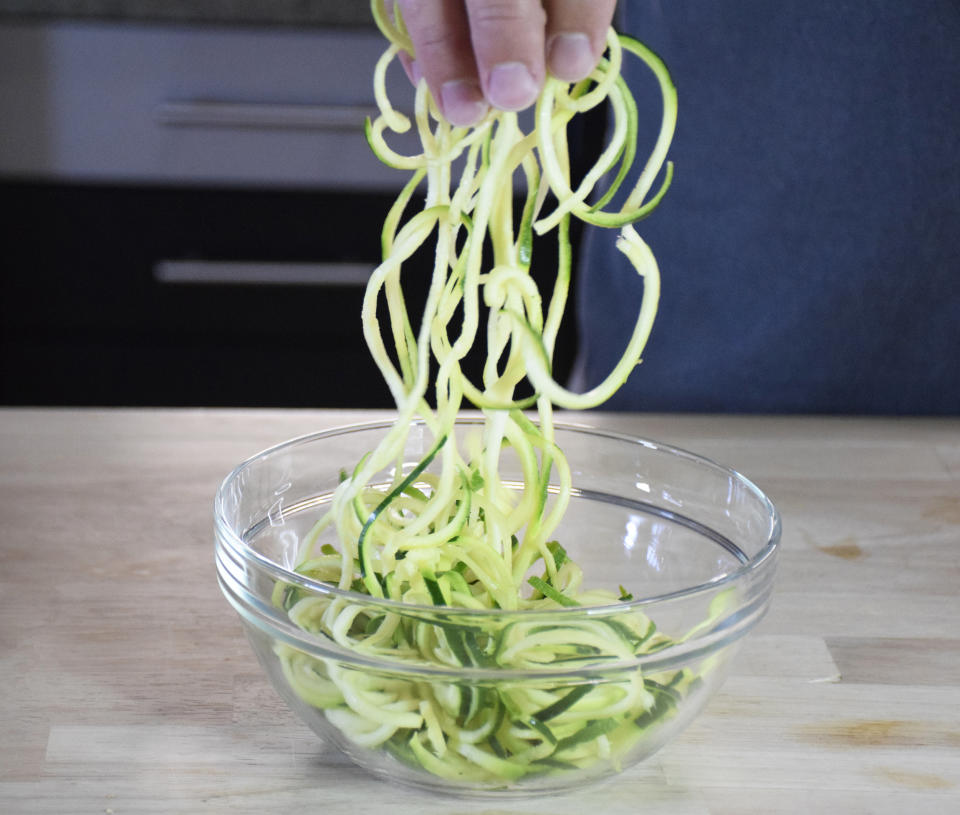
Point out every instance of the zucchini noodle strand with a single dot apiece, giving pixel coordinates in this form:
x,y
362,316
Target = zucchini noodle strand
x,y
448,529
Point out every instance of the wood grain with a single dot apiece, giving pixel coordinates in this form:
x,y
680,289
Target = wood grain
x,y
128,686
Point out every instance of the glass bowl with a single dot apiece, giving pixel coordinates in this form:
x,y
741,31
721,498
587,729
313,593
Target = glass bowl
x,y
537,701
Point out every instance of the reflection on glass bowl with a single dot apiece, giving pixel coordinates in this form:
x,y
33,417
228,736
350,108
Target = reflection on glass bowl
x,y
535,701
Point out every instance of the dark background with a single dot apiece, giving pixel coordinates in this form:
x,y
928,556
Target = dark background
x,y
85,321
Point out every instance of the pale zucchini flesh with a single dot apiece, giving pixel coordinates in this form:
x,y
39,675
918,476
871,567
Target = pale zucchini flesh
x,y
447,532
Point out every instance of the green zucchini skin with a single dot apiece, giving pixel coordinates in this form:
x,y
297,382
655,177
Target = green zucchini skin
x,y
447,532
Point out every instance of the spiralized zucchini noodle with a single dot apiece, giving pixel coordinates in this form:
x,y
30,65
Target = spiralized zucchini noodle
x,y
447,530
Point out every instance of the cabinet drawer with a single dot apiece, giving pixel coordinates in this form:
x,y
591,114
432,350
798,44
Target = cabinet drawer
x,y
164,296
128,103
102,303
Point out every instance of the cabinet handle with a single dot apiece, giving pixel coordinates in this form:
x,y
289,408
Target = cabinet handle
x,y
256,273
263,116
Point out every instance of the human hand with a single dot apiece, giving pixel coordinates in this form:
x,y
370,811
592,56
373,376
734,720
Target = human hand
x,y
480,53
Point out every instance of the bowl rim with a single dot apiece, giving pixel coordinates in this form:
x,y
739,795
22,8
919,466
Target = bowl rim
x,y
755,564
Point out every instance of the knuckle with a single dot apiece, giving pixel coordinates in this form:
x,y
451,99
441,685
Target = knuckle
x,y
498,14
434,37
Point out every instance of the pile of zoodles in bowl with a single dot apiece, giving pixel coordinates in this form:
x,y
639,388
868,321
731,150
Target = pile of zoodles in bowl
x,y
449,531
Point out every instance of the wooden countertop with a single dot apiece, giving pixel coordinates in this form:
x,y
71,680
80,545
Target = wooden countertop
x,y
127,685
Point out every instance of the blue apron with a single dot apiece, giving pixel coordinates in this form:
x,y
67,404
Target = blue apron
x,y
810,244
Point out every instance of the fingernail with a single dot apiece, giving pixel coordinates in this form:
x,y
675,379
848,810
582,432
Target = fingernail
x,y
462,102
570,57
511,86
415,73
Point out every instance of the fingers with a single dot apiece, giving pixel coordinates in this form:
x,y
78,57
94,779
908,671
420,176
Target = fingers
x,y
508,43
440,33
475,53
576,36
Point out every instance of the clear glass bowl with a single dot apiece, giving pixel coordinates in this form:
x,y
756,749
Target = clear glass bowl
x,y
695,543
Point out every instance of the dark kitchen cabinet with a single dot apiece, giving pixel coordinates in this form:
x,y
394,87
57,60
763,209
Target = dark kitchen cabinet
x,y
90,318
191,214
